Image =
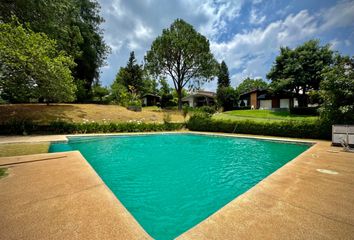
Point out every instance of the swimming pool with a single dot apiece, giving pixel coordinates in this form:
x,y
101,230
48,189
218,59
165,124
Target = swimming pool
x,y
171,182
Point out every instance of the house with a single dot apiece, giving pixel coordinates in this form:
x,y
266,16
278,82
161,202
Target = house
x,y
263,99
200,98
151,100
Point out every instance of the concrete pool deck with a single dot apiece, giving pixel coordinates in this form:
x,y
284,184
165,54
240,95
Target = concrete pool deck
x,y
59,196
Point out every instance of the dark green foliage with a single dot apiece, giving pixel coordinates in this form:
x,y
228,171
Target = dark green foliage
x,y
31,67
312,111
183,54
299,69
3,172
131,83
250,84
100,94
167,101
165,93
74,24
131,75
337,91
227,98
223,76
297,129
21,127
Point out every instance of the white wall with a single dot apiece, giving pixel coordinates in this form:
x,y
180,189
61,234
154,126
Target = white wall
x,y
265,104
284,103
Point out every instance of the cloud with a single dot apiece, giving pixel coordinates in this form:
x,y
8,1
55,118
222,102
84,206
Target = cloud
x,y
340,15
133,25
254,32
255,19
251,53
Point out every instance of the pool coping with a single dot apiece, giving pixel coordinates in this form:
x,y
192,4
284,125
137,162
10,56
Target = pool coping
x,y
202,229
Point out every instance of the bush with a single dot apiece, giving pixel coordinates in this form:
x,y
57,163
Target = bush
x,y
167,101
207,109
297,129
305,111
227,98
60,127
243,108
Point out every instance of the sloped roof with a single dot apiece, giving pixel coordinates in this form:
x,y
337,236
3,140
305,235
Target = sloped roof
x,y
151,95
200,94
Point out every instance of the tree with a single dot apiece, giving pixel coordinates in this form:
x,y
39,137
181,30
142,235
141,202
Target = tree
x,y
184,55
165,93
32,67
131,75
74,24
337,91
99,92
119,94
227,98
165,87
250,84
223,76
299,70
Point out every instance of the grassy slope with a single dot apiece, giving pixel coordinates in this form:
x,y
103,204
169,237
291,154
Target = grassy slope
x,y
17,149
261,115
82,112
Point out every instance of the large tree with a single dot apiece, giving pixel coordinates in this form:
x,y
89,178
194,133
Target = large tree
x,y
299,69
31,67
223,76
74,24
337,91
183,54
250,84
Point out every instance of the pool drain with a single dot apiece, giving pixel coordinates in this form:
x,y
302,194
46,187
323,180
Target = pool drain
x,y
326,171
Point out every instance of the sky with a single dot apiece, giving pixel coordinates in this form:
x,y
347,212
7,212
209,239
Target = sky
x,y
246,34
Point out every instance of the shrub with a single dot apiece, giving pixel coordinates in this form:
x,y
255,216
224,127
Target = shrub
x,y
227,98
305,111
298,129
60,127
207,109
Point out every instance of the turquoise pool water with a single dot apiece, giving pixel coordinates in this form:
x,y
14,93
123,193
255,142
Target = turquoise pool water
x,y
171,182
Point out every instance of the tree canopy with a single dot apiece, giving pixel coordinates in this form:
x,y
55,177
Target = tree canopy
x,y
74,24
250,84
223,76
32,67
183,54
299,69
131,76
337,91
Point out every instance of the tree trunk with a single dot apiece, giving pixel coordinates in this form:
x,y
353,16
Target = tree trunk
x,y
179,94
302,100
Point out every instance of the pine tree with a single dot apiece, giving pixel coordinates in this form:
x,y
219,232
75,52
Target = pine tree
x,y
223,76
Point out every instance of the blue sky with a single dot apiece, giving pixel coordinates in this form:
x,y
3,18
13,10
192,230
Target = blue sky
x,y
246,34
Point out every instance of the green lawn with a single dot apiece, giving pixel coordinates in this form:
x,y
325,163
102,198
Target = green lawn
x,y
17,149
261,115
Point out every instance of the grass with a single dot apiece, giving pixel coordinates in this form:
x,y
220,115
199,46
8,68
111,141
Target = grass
x,y
261,115
42,114
3,172
17,149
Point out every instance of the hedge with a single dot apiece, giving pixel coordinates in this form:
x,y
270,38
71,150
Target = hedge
x,y
297,129
60,127
305,111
